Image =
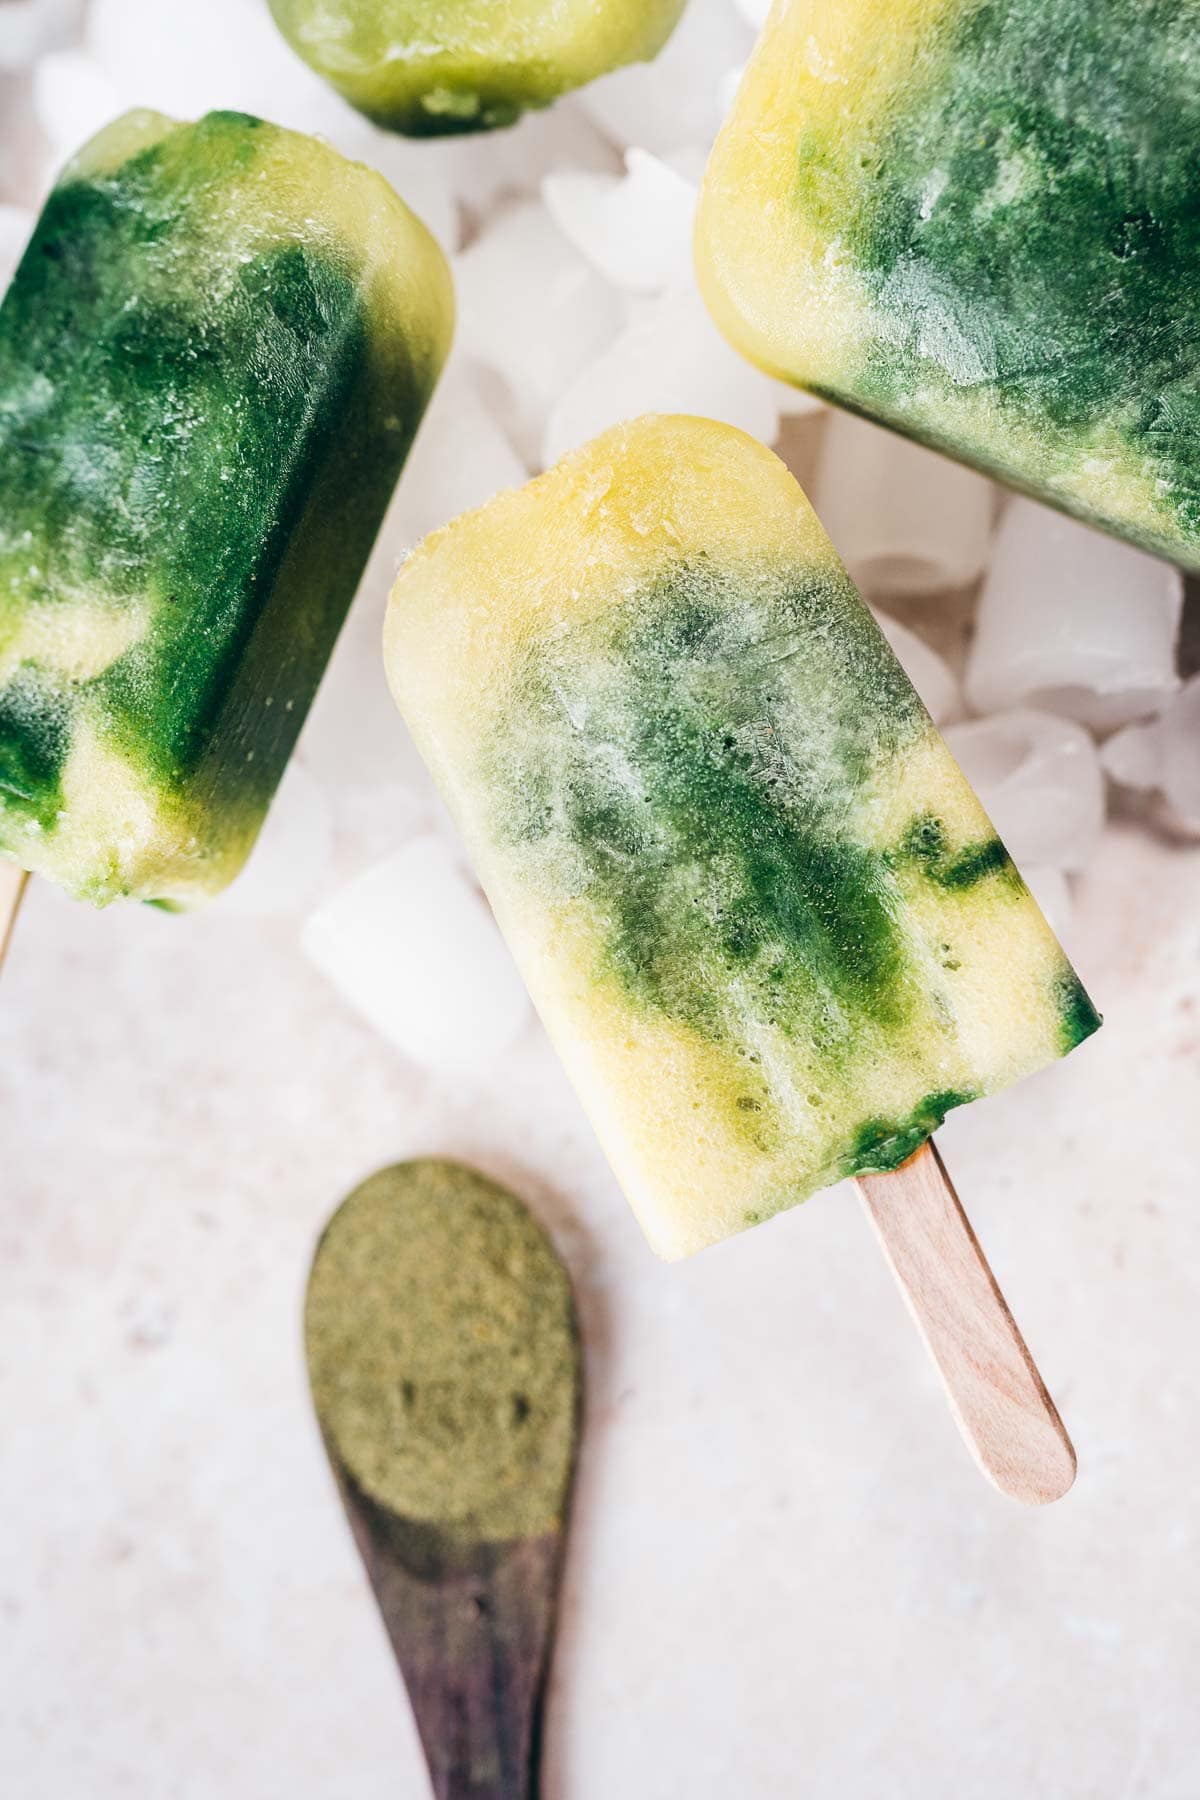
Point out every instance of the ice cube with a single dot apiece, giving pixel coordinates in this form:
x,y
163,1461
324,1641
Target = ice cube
x,y
460,459
689,161
1073,621
670,358
929,673
412,946
727,88
754,12
905,521
1052,891
354,737
483,169
1133,756
188,60
292,855
29,28
796,402
673,100
1039,779
15,227
72,98
635,230
532,310
1180,743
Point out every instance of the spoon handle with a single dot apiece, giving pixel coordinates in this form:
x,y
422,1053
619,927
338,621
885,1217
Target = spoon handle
x,y
1003,1409
474,1649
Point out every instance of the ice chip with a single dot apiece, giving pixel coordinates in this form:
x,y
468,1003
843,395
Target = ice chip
x,y
30,28
1133,756
460,459
292,853
1180,740
512,163
671,358
1039,779
531,309
727,88
1073,621
412,946
349,740
72,98
635,230
1052,891
223,54
675,99
929,673
905,522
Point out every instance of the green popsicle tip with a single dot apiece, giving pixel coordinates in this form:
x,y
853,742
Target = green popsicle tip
x,y
977,222
429,69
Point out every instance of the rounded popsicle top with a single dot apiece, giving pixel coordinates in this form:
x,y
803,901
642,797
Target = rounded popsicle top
x,y
639,493
764,917
974,221
443,1354
213,358
425,68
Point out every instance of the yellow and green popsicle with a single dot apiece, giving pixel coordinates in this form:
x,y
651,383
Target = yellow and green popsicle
x,y
976,221
429,67
764,917
213,359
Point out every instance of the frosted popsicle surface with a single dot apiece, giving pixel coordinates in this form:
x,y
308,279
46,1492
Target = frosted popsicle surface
x,y
213,358
429,67
977,221
766,921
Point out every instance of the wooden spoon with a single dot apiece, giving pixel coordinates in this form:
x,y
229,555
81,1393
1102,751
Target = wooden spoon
x,y
473,1643
468,1602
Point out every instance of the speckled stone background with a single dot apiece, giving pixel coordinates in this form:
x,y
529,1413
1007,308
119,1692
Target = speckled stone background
x,y
785,1577
786,1580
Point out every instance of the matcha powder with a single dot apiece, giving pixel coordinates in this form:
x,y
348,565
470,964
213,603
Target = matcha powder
x,y
443,1353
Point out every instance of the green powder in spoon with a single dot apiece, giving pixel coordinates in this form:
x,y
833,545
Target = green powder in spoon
x,y
443,1353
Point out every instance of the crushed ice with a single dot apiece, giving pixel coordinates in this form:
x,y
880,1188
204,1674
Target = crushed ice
x,y
1048,651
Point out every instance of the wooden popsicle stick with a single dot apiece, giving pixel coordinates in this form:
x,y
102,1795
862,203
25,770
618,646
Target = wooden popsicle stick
x,y
13,882
1004,1412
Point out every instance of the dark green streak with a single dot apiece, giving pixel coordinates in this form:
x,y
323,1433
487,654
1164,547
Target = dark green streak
x,y
925,844
34,733
694,767
1079,1017
883,1144
175,425
1072,297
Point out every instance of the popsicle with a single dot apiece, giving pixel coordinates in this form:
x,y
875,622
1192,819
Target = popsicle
x,y
975,221
424,68
213,359
767,923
